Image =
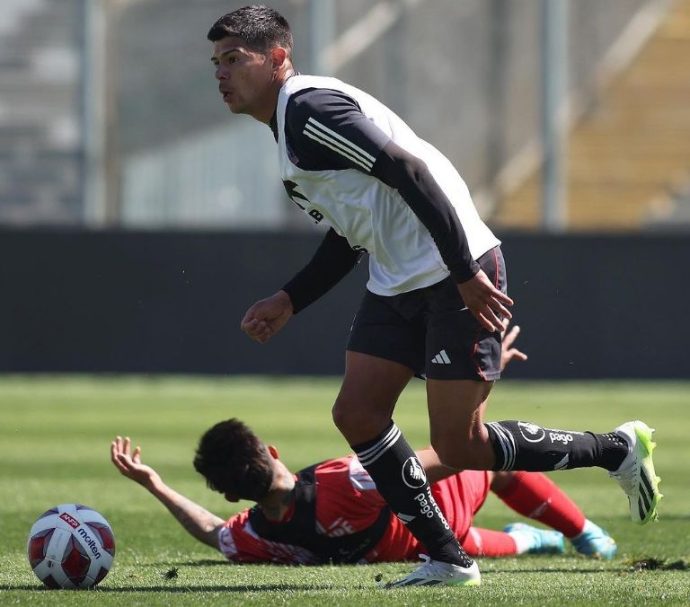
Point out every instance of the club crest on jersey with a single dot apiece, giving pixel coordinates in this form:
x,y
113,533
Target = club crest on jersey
x,y
413,474
531,432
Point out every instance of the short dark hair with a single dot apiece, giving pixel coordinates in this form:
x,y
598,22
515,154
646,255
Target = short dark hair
x,y
233,460
260,27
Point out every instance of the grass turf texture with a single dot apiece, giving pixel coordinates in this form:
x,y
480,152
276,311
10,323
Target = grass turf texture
x,y
54,448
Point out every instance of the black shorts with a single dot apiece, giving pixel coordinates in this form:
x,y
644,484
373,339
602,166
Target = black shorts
x,y
430,331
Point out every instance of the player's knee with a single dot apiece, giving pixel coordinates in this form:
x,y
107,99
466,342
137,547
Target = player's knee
x,y
346,417
357,423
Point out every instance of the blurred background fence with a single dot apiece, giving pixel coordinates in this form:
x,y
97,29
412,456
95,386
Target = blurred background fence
x,y
121,172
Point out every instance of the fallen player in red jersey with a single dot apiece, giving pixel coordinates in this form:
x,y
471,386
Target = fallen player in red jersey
x,y
332,512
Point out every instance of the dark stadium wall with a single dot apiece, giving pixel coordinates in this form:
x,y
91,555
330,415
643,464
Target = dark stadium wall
x,y
147,302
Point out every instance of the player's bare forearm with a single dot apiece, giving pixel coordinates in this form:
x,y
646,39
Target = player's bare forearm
x,y
197,521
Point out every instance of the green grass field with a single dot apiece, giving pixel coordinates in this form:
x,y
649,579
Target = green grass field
x,y
54,447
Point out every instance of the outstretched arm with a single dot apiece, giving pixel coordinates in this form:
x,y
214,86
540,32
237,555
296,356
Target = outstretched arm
x,y
200,523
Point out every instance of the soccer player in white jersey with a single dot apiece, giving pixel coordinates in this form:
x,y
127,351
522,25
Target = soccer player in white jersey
x,y
435,298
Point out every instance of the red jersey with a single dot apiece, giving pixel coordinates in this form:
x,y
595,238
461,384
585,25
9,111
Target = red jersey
x,y
347,502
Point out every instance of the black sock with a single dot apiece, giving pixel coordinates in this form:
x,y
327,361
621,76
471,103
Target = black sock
x,y
401,480
526,446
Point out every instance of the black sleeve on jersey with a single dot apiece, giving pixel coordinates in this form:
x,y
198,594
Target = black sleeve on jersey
x,y
332,261
409,175
326,130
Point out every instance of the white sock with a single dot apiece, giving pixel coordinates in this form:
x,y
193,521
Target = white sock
x,y
524,540
585,528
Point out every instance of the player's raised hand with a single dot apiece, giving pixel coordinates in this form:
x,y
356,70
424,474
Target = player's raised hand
x,y
129,463
267,316
509,353
485,301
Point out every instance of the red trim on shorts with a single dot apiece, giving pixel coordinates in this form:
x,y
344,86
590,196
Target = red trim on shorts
x,y
479,330
474,352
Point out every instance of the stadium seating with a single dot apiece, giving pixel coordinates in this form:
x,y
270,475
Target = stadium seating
x,y
629,155
39,134
626,154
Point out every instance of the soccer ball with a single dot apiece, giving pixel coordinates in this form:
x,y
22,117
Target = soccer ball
x,y
71,546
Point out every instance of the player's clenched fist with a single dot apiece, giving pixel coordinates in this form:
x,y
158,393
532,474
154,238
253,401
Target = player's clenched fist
x,y
267,316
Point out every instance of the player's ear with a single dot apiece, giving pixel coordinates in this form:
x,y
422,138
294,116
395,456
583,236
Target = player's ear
x,y
273,451
278,57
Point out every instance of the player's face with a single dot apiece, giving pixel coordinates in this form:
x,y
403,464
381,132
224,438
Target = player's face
x,y
244,76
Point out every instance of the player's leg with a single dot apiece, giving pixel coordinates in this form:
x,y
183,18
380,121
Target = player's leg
x,y
458,432
382,353
464,441
462,361
476,430
370,388
462,495
536,496
362,413
522,539
626,453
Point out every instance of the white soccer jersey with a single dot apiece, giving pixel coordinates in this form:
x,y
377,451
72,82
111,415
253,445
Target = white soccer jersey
x,y
346,196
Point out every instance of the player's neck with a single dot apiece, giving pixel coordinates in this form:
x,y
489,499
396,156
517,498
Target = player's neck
x,y
280,497
276,504
266,112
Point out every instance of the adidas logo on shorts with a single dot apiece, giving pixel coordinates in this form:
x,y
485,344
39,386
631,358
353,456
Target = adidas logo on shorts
x,y
441,358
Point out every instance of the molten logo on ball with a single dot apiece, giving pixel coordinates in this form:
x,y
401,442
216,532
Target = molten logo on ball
x,y
91,543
